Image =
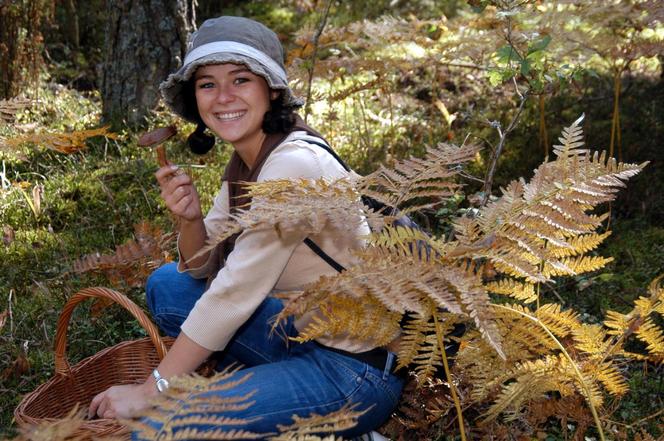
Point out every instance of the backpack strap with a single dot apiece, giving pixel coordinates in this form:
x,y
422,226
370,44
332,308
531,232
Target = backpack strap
x,y
310,243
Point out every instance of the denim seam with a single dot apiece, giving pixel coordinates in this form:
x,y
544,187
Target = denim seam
x,y
384,386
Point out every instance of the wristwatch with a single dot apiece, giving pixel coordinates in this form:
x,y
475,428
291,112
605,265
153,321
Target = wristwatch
x,y
162,383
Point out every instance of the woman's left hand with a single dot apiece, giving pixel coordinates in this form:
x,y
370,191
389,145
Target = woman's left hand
x,y
125,401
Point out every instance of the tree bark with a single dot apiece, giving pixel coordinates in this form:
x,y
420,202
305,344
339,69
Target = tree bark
x,y
145,41
72,30
21,43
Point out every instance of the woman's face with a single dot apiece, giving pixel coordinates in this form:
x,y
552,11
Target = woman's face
x,y
232,102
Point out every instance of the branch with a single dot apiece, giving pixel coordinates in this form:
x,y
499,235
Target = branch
x,y
488,182
312,64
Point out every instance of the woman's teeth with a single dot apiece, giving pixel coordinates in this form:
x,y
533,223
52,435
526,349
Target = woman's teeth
x,y
228,116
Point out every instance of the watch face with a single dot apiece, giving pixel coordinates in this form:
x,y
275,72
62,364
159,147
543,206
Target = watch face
x,y
162,384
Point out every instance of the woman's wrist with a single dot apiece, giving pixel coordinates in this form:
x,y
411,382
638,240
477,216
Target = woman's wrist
x,y
150,387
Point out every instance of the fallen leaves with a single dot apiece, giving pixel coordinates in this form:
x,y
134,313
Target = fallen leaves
x,y
20,366
60,142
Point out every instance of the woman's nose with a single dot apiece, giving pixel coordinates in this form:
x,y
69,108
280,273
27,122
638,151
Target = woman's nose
x,y
225,94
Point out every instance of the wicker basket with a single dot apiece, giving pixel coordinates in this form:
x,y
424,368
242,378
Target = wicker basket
x,y
125,363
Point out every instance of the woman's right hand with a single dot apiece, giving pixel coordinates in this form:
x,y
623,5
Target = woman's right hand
x,y
179,193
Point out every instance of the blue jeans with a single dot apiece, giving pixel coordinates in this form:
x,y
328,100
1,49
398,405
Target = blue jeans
x,y
289,378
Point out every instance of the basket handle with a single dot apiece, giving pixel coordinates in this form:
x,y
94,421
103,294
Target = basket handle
x,y
61,364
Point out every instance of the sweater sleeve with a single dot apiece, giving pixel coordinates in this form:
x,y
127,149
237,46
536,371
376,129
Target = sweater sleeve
x,y
217,214
254,266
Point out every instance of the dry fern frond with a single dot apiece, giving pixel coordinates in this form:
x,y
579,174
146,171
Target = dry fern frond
x,y
639,322
412,180
63,429
540,229
132,261
60,142
297,204
419,346
311,427
402,282
523,291
530,381
561,323
611,378
186,411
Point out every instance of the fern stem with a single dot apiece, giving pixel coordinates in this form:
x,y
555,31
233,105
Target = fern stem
x,y
448,375
571,361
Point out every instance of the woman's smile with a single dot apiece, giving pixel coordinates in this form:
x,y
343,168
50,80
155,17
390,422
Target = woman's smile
x,y
230,116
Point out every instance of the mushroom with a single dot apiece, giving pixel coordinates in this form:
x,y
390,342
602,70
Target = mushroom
x,y
156,138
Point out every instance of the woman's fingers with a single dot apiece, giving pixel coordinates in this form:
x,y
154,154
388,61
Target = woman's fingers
x,y
94,404
165,173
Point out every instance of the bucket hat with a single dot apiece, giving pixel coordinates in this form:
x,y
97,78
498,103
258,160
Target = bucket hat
x,y
229,40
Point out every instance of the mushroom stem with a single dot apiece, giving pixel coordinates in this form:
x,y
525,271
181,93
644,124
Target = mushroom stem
x,y
161,155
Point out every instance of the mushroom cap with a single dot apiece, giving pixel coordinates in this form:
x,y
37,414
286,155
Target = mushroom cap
x,y
157,136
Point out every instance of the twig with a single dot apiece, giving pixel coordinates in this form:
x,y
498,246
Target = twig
x,y
312,63
488,182
11,314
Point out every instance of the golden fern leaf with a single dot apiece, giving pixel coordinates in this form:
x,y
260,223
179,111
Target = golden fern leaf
x,y
413,338
419,346
305,428
405,284
63,429
428,358
364,318
133,261
579,244
611,378
523,291
616,322
415,178
404,239
525,337
591,339
561,323
531,380
653,336
577,265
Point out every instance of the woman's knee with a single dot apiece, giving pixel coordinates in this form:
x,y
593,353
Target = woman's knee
x,y
168,289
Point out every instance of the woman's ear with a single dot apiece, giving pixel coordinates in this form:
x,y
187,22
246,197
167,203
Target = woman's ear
x,y
274,94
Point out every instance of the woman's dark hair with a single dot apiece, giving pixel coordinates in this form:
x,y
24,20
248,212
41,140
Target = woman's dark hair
x,y
279,119
200,142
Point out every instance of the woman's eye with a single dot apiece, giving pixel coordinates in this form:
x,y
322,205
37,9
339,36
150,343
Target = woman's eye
x,y
241,80
205,85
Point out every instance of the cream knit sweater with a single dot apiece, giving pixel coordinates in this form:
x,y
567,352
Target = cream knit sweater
x,y
263,261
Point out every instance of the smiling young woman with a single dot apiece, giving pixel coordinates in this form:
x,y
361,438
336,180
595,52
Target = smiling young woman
x,y
233,82
232,102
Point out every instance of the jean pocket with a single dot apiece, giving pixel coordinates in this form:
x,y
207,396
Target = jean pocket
x,y
346,373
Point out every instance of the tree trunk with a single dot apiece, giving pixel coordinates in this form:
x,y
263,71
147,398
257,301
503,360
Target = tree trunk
x,y
72,31
21,43
145,41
